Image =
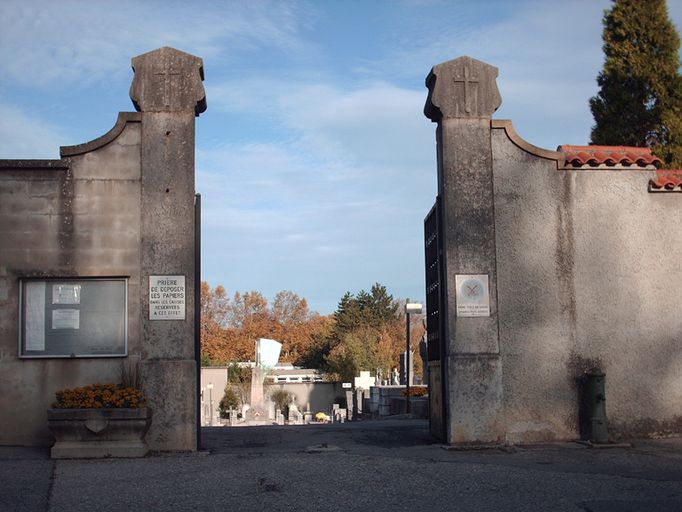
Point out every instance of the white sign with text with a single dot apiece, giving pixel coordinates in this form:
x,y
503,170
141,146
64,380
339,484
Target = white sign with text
x,y
166,297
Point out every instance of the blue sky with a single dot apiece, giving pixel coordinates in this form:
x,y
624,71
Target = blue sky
x,y
315,163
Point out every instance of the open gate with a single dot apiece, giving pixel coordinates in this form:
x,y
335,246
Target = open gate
x,y
436,313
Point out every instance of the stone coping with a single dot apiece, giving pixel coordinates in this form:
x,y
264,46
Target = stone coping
x,y
34,165
110,136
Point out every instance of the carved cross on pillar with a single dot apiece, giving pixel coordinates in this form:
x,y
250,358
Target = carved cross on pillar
x,y
460,88
466,80
168,80
167,77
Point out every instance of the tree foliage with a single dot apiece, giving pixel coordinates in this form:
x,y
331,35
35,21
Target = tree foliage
x,y
639,102
366,332
230,327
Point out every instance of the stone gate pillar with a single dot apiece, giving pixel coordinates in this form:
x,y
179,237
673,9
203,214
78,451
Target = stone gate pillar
x,y
167,89
462,98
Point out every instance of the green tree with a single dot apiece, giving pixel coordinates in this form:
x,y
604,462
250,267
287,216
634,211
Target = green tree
x,y
382,305
229,401
281,399
356,351
367,333
640,90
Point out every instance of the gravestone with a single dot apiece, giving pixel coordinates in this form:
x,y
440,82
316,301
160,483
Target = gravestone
x,y
256,411
407,377
349,403
293,413
365,380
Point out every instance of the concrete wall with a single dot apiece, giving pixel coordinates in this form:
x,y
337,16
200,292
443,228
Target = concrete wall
x,y
74,217
319,395
583,268
588,275
121,205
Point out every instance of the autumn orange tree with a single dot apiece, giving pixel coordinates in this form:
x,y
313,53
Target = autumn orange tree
x,y
230,327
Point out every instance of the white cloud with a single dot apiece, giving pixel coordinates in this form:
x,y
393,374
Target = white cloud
x,y
548,54
47,43
23,135
377,126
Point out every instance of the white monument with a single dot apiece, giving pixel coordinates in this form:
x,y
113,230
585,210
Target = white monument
x,y
267,355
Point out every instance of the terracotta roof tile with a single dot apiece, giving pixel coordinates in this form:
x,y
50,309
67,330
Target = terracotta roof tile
x,y
666,180
610,156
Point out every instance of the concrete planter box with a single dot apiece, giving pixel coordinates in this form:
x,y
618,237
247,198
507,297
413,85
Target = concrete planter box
x,y
94,433
419,406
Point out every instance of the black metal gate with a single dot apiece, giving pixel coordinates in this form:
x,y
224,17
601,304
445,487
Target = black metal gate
x,y
435,320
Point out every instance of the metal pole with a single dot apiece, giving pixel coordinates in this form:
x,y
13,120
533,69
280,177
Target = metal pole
x,y
407,364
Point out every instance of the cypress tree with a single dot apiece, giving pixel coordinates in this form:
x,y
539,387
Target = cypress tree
x,y
640,90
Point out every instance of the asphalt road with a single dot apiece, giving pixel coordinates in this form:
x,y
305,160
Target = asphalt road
x,y
388,465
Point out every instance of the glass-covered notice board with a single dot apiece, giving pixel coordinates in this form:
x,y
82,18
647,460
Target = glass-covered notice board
x,y
74,317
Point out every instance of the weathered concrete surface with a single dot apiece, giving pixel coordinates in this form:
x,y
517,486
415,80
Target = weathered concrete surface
x,y
462,97
65,219
120,205
584,272
167,89
379,466
588,276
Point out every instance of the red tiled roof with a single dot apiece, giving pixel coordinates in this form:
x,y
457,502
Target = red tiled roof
x,y
593,156
666,180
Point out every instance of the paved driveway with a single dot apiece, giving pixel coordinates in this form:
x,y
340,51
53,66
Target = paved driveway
x,y
385,465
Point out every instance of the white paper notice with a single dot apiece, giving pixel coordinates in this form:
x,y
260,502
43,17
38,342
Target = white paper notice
x,y
166,297
35,316
65,319
473,298
66,294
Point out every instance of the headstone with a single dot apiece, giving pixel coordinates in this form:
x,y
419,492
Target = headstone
x,y
406,378
257,410
357,402
293,413
365,380
374,394
349,403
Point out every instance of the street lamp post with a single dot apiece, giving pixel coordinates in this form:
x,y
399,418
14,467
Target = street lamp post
x,y
416,308
210,402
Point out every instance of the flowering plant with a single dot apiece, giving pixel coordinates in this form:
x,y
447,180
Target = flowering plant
x,y
99,396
